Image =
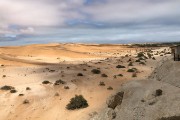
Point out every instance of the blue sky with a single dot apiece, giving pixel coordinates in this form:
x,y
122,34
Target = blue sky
x,y
89,21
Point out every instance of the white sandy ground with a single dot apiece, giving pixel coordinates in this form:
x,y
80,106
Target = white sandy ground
x,y
25,66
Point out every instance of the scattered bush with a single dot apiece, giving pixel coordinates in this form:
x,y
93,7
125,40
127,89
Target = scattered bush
x,y
134,75
109,88
141,54
121,75
21,94
120,66
170,118
158,92
56,94
101,84
149,55
4,76
6,87
130,64
2,65
26,101
66,87
96,71
79,74
138,60
77,102
154,58
13,91
130,70
104,75
58,82
142,63
28,88
45,82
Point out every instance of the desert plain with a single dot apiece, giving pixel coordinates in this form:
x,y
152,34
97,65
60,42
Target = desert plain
x,y
26,68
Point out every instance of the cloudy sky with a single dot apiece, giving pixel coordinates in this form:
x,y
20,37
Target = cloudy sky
x,y
101,21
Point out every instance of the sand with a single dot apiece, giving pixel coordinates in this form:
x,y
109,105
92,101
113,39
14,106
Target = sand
x,y
29,66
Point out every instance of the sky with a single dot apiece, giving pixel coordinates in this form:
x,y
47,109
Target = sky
x,y
89,21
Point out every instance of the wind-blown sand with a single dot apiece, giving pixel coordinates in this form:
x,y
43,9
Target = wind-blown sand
x,y
29,66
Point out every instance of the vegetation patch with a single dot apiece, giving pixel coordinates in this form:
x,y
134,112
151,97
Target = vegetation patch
x,y
58,82
6,87
45,82
109,88
13,91
79,74
101,83
77,102
104,75
120,66
95,71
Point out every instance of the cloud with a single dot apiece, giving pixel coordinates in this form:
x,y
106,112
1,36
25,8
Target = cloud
x,y
33,17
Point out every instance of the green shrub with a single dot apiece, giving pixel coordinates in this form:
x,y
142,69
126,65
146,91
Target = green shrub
x,y
77,102
28,88
79,74
121,75
104,75
109,88
138,60
13,91
6,87
101,84
45,82
158,92
95,71
66,87
26,101
58,82
130,64
141,54
120,66
134,75
132,70
142,63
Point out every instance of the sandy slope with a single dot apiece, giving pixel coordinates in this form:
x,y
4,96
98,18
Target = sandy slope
x,y
26,66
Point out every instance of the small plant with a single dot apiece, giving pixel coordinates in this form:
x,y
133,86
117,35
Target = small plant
x,y
45,82
101,84
158,92
6,87
141,54
21,94
2,65
120,66
142,63
4,76
104,75
58,82
109,88
134,74
13,91
138,60
56,94
130,64
66,87
130,70
26,101
120,75
79,74
28,88
77,102
154,58
95,71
